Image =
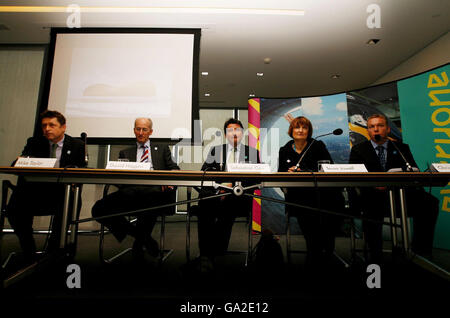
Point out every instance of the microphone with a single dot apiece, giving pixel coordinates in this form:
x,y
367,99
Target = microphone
x,y
86,155
408,166
336,132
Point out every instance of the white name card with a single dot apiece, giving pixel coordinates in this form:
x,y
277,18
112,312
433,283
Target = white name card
x,y
248,167
36,162
440,167
127,165
343,168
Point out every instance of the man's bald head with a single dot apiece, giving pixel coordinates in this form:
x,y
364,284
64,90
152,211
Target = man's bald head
x,y
143,129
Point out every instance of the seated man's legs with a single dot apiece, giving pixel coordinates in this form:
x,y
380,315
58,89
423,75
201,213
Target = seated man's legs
x,y
114,203
424,209
129,199
207,218
29,200
215,222
375,204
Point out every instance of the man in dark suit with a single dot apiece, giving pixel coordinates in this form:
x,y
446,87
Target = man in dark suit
x,y
129,198
216,216
381,154
30,199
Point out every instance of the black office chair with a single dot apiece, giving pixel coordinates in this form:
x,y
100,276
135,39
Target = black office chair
x,y
193,210
163,253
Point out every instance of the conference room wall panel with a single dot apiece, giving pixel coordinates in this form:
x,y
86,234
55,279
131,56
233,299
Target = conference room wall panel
x,y
20,79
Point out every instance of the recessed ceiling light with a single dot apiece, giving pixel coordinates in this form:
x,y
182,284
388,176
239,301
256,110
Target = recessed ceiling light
x,y
205,73
373,41
251,95
335,76
207,94
260,74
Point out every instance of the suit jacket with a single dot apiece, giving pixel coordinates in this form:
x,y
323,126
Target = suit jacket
x,y
329,197
32,193
288,157
159,154
217,157
366,154
217,160
72,154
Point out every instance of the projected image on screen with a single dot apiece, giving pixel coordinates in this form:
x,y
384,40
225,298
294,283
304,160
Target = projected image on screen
x,y
102,82
97,90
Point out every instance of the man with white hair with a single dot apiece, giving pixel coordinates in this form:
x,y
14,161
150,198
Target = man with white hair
x,y
130,198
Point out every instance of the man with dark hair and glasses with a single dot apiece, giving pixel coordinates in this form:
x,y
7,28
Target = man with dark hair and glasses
x,y
216,216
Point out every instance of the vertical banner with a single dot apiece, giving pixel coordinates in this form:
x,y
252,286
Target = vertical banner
x,y
326,114
253,141
425,112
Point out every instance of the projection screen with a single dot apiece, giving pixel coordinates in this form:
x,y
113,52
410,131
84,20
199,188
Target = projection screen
x,y
101,82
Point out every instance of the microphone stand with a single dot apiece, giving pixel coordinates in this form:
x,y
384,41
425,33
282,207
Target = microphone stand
x,y
408,166
334,132
86,155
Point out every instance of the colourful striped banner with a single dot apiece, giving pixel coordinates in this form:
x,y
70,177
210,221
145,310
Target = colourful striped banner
x,y
253,141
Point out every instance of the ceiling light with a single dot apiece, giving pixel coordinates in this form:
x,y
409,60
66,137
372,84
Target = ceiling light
x,y
335,76
207,94
260,74
204,73
373,41
251,95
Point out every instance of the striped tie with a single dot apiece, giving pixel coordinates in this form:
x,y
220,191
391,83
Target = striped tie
x,y
144,157
382,156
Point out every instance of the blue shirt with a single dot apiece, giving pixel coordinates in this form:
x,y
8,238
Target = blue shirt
x,y
385,146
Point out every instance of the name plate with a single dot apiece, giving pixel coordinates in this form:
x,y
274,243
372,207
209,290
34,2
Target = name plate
x,y
343,168
36,162
440,167
248,167
127,165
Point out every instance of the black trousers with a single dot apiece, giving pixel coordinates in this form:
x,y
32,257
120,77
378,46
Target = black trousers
x,y
319,229
35,199
215,222
421,206
130,198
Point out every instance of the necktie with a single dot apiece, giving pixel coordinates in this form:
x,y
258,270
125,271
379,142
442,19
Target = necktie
x,y
53,152
144,157
382,156
233,156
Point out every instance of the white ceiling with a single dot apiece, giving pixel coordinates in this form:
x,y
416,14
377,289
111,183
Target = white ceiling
x,y
305,50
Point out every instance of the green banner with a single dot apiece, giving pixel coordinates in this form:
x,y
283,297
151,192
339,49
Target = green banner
x,y
425,114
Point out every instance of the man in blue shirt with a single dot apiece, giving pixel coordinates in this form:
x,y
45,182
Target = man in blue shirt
x,y
380,154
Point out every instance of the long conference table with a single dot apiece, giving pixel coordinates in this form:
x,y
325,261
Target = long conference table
x,y
73,178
